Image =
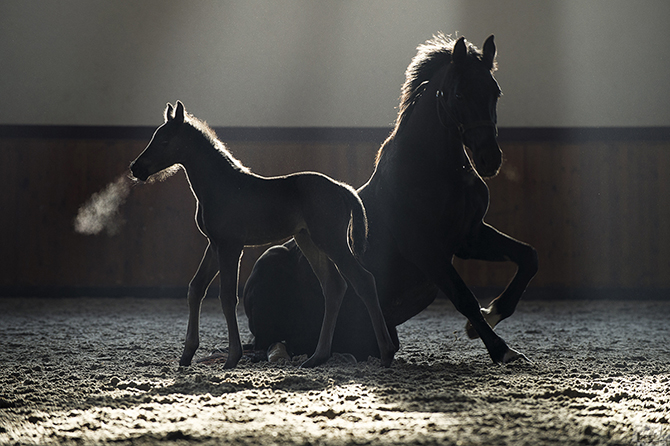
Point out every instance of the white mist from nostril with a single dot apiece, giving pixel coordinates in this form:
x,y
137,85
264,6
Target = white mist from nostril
x,y
101,211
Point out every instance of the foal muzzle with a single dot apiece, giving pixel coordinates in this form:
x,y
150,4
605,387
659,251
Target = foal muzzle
x,y
138,171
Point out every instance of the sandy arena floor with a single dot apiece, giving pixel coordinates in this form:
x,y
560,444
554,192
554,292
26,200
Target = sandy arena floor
x,y
84,371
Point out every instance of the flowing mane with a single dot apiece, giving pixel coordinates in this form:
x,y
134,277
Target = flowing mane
x,y
430,57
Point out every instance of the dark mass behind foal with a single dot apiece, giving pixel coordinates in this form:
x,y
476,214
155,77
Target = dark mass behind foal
x,y
236,208
426,203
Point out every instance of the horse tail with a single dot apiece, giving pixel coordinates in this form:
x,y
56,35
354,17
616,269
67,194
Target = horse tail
x,y
358,224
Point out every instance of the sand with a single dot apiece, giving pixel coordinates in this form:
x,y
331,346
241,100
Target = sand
x,y
98,371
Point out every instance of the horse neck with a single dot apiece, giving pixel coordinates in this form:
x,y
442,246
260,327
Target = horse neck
x,y
425,138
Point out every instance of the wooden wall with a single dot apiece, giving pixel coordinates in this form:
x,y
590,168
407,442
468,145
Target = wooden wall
x,y
596,210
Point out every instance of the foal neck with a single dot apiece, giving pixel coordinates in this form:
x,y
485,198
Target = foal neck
x,y
205,150
207,163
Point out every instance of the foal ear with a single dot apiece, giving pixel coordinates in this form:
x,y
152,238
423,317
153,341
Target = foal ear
x,y
459,53
179,113
168,112
489,52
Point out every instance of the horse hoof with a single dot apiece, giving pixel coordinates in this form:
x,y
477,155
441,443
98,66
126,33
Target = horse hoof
x,y
277,352
513,355
346,358
312,362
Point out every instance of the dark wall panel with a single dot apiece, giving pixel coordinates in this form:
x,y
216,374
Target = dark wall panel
x,y
596,210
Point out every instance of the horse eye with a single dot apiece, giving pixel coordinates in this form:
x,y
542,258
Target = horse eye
x,y
458,96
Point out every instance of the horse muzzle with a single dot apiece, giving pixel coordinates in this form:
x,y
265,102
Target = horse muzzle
x,y
488,162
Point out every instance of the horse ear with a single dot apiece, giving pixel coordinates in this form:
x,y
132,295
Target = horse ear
x,y
489,52
179,112
168,112
459,53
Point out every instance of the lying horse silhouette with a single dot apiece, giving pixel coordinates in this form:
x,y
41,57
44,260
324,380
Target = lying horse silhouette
x,y
426,202
236,208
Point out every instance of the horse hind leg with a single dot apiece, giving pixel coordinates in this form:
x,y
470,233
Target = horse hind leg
x,y
207,271
333,287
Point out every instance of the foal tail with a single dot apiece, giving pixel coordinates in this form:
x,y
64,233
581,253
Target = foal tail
x,y
358,225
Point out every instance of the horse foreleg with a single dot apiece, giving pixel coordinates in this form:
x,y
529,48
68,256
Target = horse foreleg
x,y
447,279
197,289
333,287
493,245
229,264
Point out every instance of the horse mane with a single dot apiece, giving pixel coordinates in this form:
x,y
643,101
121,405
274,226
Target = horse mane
x,y
430,57
209,134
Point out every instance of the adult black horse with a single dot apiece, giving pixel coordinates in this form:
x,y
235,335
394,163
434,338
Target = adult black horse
x,y
426,202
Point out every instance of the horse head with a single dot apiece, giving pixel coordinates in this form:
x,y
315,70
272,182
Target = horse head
x,y
468,96
164,148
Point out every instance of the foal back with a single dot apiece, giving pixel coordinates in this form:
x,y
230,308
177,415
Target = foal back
x,y
262,210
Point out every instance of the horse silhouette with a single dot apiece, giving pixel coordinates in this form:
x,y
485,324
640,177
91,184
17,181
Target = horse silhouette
x,y
426,203
236,208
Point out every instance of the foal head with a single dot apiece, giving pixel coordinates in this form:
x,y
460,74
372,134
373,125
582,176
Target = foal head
x,y
467,99
165,148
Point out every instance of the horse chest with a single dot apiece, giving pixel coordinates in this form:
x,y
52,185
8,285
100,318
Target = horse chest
x,y
443,208
468,204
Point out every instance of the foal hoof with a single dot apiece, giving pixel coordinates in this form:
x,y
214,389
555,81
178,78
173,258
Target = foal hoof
x,y
230,363
387,359
233,359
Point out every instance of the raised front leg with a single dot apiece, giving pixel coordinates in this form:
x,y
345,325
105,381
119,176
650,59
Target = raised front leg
x,y
492,245
445,276
465,302
209,267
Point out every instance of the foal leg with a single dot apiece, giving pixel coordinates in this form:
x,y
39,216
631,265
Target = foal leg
x,y
207,271
333,287
494,246
229,264
365,286
363,282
